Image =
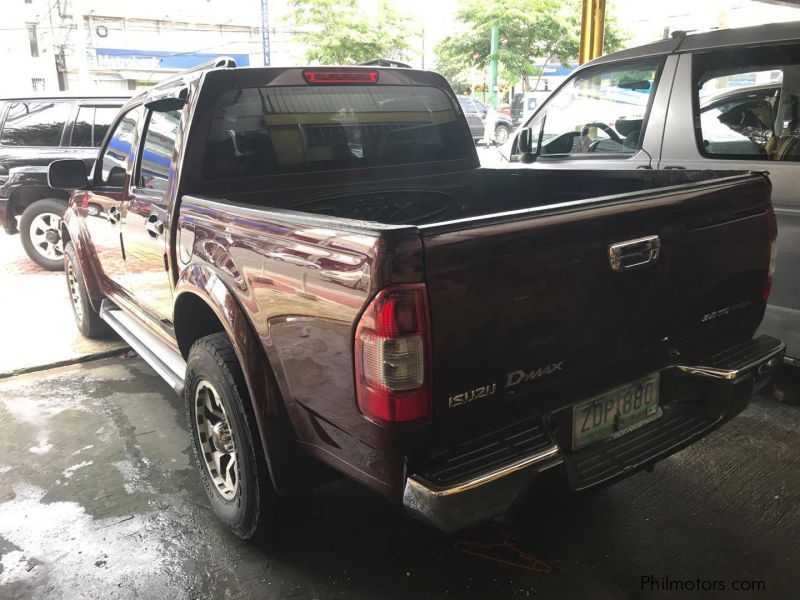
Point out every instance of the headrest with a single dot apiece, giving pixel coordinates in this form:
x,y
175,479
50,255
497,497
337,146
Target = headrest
x,y
628,126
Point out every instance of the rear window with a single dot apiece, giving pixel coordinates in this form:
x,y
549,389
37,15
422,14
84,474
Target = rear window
x,y
277,130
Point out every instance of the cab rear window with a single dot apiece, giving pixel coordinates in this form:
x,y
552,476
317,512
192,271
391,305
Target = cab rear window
x,y
278,130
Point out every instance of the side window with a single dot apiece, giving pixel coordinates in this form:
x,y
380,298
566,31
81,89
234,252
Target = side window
x,y
749,107
466,105
82,129
601,111
155,160
103,117
35,123
115,155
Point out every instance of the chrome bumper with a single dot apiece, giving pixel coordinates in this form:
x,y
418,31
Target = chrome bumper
x,y
737,371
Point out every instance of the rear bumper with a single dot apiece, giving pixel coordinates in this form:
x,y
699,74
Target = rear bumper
x,y
484,478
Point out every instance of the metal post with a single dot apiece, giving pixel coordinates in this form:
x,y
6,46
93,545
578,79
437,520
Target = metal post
x,y
265,32
493,66
598,27
592,26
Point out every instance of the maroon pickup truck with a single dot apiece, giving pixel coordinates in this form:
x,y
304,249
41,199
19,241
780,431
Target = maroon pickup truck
x,y
316,261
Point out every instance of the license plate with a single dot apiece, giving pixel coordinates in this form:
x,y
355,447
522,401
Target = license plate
x,y
615,412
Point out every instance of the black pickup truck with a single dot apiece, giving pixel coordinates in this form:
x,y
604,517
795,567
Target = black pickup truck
x,y
315,260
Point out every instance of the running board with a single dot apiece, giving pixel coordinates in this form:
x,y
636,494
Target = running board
x,y
167,362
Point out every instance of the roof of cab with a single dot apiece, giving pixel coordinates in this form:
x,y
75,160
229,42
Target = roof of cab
x,y
720,38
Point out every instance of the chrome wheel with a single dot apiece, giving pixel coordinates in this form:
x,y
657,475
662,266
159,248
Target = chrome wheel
x,y
45,234
74,291
216,440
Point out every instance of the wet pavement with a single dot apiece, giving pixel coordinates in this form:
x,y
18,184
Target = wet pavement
x,y
99,499
38,325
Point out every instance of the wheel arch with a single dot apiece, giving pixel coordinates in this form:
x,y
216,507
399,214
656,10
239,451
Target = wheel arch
x,y
205,305
25,195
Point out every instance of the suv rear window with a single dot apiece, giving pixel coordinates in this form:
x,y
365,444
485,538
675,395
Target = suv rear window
x,y
35,123
276,130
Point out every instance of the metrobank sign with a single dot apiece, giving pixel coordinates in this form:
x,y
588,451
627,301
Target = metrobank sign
x,y
152,60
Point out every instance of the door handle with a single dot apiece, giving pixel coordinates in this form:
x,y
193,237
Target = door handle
x,y
154,226
634,253
113,215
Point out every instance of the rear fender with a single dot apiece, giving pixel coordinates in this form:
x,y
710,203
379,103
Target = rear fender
x,y
275,432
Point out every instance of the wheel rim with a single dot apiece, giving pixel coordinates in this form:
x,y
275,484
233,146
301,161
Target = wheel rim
x,y
218,448
74,291
45,234
501,135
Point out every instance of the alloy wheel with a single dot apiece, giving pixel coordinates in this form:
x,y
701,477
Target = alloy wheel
x,y
218,448
74,291
45,234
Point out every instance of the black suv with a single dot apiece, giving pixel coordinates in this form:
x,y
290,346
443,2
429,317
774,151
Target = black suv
x,y
33,133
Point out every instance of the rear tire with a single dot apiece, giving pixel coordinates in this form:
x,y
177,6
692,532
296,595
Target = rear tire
x,y
86,317
225,439
501,133
40,231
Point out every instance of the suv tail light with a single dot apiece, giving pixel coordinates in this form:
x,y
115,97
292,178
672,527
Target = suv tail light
x,y
773,255
393,356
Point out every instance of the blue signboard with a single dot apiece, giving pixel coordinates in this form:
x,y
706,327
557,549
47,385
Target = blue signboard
x,y
153,60
554,70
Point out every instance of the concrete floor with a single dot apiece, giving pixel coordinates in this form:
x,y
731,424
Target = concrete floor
x,y
99,499
38,326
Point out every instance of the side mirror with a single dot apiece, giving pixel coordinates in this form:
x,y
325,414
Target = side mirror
x,y
528,146
67,174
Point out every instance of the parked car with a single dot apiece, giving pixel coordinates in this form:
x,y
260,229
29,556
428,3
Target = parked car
x,y
498,127
474,115
35,131
524,104
726,99
471,328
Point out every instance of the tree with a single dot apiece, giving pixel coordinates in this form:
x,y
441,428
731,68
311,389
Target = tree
x,y
338,32
530,30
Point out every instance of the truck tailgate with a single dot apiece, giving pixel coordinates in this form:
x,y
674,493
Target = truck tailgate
x,y
527,313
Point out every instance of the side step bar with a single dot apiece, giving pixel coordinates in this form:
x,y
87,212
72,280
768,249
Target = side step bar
x,y
165,361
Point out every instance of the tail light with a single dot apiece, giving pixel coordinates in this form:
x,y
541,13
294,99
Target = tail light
x,y
773,255
393,356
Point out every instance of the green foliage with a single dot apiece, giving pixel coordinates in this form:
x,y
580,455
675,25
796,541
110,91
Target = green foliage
x,y
337,32
529,30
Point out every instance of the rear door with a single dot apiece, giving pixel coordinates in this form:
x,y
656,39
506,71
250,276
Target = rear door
x,y
146,218
529,314
740,109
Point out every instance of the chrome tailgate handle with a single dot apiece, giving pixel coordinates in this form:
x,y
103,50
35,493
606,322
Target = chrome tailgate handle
x,y
634,253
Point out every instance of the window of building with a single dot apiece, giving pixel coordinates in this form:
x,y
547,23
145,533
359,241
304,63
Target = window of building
x,y
156,157
37,83
34,40
748,103
34,123
114,161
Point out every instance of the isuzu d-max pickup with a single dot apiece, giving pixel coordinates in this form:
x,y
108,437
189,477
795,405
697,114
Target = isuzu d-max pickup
x,y
315,260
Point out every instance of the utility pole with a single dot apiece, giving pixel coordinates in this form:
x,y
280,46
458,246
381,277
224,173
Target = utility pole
x,y
265,31
493,66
